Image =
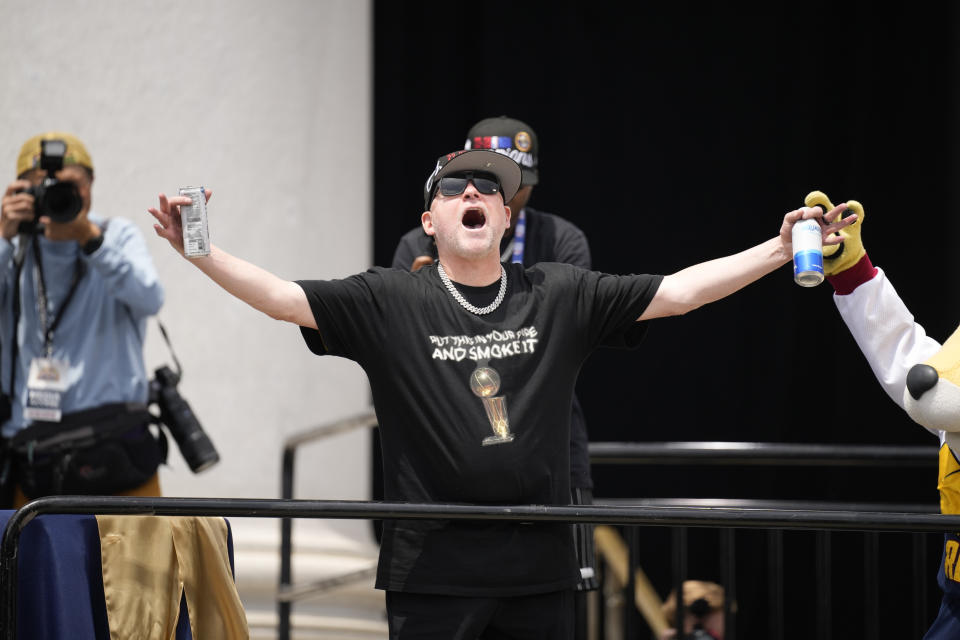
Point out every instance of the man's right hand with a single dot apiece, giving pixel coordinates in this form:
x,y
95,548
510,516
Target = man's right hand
x,y
16,208
168,218
420,261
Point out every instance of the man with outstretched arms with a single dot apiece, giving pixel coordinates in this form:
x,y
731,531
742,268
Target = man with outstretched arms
x,y
472,365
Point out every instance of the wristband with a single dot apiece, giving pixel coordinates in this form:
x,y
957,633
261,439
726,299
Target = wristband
x,y
849,279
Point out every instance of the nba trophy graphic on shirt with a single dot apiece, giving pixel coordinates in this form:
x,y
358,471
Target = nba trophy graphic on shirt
x,y
485,382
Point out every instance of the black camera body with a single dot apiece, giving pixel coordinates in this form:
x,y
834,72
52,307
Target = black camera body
x,y
699,609
57,199
176,414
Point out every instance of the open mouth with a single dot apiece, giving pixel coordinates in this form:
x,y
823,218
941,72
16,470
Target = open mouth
x,y
473,219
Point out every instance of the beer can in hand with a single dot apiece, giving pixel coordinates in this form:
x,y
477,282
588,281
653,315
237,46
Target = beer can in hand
x,y
807,253
193,219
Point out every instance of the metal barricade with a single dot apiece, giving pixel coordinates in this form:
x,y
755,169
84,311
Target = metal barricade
x,y
287,593
755,454
744,454
333,509
760,454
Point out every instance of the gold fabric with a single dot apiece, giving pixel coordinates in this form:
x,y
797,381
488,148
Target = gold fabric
x,y
148,562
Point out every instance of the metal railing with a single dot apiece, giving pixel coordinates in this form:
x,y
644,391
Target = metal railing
x,y
746,454
822,607
750,454
761,454
287,592
334,509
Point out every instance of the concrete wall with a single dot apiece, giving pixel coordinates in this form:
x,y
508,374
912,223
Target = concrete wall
x,y
268,104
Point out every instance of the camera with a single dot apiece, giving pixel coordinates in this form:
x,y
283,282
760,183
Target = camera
x,y
176,414
57,199
699,609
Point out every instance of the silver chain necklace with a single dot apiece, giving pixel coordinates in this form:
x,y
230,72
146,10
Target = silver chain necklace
x,y
480,311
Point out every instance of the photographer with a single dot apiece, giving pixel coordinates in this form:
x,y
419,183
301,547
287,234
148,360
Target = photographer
x,y
76,290
703,617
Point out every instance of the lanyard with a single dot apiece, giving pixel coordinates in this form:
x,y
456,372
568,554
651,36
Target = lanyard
x,y
519,233
49,329
42,301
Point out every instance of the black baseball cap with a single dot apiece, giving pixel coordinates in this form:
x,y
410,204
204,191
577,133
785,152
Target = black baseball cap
x,y
513,138
506,170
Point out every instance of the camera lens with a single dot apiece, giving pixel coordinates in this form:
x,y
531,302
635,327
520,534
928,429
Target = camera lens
x,y
175,412
61,202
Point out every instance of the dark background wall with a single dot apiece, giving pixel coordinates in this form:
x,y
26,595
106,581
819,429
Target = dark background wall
x,y
677,133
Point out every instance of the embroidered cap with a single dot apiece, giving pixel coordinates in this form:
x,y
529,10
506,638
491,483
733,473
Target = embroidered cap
x,y
513,138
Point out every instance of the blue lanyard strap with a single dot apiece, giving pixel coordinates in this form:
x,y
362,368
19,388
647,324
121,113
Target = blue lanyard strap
x,y
518,237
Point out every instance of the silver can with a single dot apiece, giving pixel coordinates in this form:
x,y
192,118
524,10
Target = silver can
x,y
193,219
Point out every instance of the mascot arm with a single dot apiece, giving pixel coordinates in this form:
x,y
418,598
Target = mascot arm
x,y
881,324
886,332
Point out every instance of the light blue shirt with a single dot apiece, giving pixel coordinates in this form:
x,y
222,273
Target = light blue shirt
x,y
101,336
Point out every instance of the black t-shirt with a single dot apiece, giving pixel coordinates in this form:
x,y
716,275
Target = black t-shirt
x,y
548,238
441,377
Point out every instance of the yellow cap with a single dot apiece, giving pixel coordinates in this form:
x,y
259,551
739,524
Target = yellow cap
x,y
76,153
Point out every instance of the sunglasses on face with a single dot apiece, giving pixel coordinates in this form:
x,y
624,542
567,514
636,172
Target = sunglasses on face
x,y
454,185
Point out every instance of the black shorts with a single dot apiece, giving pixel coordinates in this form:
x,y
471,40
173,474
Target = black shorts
x,y
419,616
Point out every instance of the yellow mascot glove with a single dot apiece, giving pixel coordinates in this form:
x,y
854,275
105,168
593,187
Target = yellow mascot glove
x,y
840,257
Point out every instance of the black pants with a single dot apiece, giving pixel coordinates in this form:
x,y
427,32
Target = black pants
x,y
417,616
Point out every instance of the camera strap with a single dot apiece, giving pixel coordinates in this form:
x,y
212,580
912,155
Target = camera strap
x,y
19,261
176,362
50,327
166,338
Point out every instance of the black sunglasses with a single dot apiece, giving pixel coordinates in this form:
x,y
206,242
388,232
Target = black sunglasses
x,y
454,185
